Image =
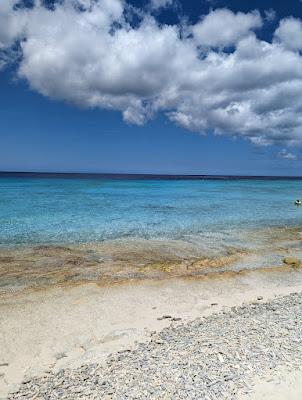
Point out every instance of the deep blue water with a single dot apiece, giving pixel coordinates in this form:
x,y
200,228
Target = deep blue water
x,y
55,210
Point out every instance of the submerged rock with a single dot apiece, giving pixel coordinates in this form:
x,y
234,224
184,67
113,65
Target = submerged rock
x,y
293,262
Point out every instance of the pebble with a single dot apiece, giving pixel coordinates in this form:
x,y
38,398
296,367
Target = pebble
x,y
59,356
217,357
164,317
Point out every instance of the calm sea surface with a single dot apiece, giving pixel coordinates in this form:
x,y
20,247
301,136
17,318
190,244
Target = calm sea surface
x,y
56,210
65,230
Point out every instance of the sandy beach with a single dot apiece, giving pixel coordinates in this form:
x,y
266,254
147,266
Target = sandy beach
x,y
43,332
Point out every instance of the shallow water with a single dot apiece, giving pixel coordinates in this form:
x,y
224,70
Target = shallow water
x,y
43,211
149,226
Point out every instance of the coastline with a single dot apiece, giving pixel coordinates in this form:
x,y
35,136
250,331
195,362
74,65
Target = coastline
x,y
67,305
38,267
66,327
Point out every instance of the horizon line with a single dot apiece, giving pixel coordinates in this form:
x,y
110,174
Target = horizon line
x,y
147,175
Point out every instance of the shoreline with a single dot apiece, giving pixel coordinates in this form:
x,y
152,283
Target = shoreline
x,y
118,261
62,327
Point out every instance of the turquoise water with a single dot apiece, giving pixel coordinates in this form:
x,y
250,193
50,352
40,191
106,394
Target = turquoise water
x,y
56,210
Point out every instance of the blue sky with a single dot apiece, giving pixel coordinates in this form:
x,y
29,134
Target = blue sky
x,y
45,130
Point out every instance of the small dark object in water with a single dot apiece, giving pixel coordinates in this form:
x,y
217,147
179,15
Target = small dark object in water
x,y
298,202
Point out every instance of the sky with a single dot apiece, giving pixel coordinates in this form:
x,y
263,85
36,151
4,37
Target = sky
x,y
157,86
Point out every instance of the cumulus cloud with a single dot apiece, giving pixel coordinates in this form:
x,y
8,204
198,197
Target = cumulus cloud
x,y
90,53
287,155
222,27
11,25
289,33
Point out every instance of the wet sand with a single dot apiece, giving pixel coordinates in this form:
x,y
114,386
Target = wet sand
x,y
66,326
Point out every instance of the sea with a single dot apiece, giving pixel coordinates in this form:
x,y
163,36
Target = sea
x,y
131,222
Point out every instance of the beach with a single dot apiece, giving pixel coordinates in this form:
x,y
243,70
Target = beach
x,y
66,328
227,356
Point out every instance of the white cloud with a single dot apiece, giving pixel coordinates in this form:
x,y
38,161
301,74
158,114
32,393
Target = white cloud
x,y
287,155
155,4
94,57
11,24
289,33
270,15
222,27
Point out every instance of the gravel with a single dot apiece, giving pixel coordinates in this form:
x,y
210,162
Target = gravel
x,y
217,357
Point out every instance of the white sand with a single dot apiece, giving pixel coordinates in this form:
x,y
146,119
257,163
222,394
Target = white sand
x,y
286,386
69,326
